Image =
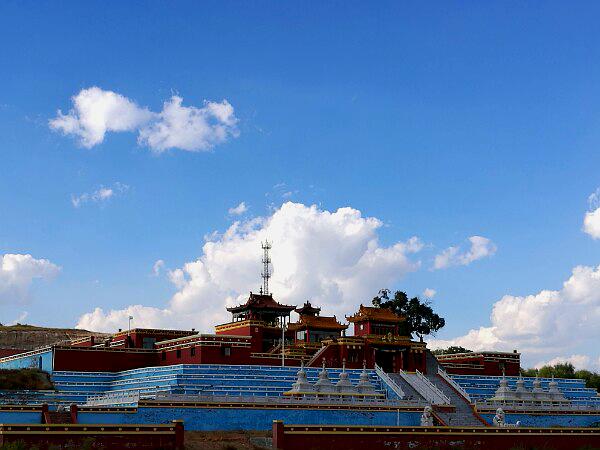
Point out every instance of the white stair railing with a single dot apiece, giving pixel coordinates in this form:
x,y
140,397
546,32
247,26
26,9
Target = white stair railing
x,y
442,373
391,383
425,388
442,398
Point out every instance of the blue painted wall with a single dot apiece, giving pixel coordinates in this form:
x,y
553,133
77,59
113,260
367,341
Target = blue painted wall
x,y
39,361
205,419
530,420
20,417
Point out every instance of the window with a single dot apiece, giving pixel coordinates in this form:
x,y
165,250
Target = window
x,y
193,351
148,342
300,335
226,351
178,353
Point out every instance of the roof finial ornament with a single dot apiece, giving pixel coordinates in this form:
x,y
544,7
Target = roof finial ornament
x,y
266,273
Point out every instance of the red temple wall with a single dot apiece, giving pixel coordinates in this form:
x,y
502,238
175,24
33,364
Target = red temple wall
x,y
480,365
290,437
102,360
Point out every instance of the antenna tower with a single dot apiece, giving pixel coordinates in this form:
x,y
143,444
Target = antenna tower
x,y
266,273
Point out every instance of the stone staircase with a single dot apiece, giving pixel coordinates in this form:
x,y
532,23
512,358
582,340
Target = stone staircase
x,y
409,391
463,415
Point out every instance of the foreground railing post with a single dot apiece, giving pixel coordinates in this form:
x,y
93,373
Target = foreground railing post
x,y
73,410
278,434
179,434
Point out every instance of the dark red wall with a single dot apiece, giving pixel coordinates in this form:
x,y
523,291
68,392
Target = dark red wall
x,y
313,437
46,436
102,359
480,365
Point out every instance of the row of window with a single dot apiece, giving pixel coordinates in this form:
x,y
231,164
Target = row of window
x,y
225,351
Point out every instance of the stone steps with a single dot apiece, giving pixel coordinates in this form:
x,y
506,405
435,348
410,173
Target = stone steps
x,y
463,414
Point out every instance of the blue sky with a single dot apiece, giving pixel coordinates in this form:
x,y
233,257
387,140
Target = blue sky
x,y
442,120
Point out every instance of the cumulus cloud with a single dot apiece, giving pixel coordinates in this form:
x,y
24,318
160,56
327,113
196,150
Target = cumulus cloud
x,y
429,293
96,111
189,128
17,274
549,322
100,195
333,258
591,220
112,320
578,361
238,210
481,247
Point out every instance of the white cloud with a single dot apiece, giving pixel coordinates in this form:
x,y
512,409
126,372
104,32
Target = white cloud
x,y
578,361
96,111
549,322
481,247
158,266
332,258
591,221
101,195
17,273
429,293
111,321
238,210
190,128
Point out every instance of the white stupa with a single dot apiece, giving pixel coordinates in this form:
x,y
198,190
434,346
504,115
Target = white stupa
x,y
504,393
301,386
324,384
554,393
538,393
365,386
344,386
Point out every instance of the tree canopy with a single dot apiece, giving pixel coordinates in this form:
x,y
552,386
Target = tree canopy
x,y
420,318
565,370
452,350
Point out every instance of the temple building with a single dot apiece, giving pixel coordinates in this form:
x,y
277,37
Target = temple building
x,y
260,317
381,330
312,328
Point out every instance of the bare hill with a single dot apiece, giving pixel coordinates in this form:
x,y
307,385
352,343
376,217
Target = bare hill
x,y
28,337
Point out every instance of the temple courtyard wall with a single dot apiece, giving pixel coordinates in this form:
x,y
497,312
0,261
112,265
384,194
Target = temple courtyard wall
x,y
221,418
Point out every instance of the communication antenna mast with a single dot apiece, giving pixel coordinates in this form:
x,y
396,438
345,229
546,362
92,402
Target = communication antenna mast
x,y
266,273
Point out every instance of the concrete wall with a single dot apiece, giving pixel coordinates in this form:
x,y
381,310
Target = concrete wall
x,y
209,419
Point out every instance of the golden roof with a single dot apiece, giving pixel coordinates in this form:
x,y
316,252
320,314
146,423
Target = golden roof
x,y
368,313
317,323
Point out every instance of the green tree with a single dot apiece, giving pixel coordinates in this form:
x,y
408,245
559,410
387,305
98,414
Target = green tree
x,y
452,350
420,318
565,370
562,370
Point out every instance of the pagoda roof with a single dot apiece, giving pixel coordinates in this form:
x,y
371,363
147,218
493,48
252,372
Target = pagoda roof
x,y
308,309
369,313
317,323
262,302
